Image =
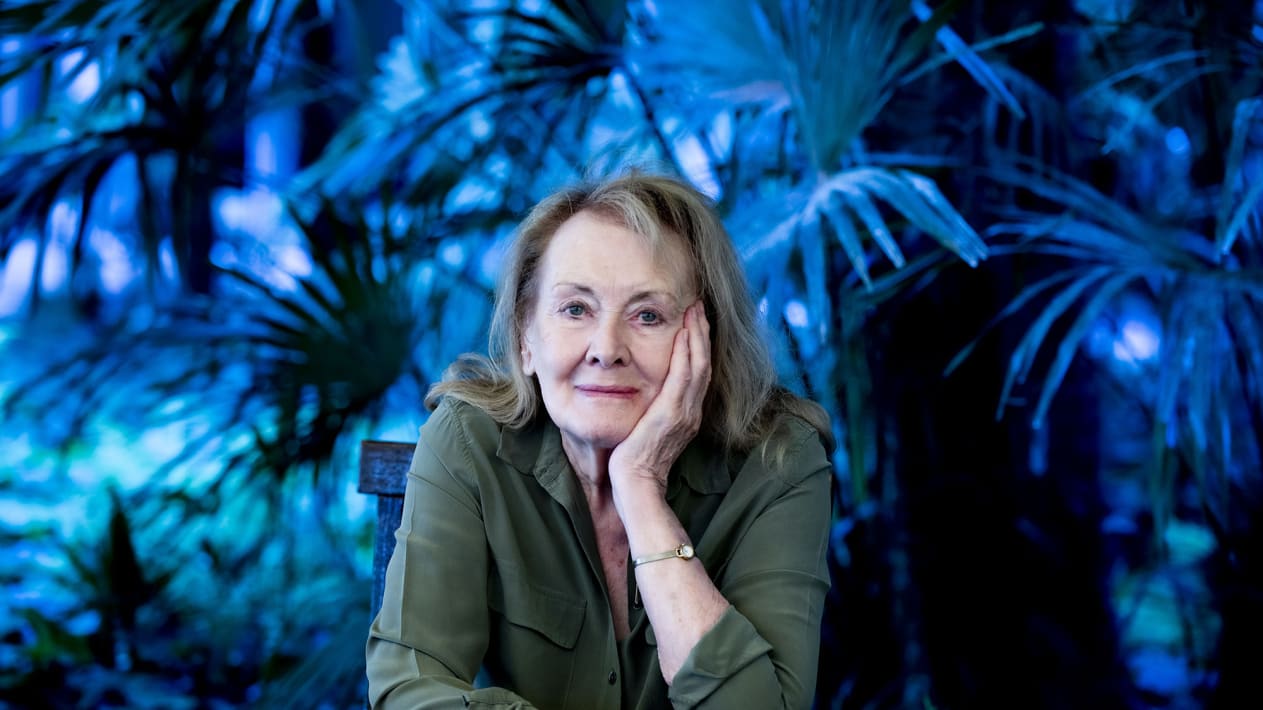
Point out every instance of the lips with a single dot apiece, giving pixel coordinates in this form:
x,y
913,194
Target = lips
x,y
608,390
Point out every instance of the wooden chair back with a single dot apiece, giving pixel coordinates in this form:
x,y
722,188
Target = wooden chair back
x,y
383,473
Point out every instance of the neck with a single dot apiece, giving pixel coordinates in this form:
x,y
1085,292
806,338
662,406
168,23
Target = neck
x,y
592,467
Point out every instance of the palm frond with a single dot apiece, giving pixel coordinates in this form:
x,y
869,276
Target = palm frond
x,y
485,81
913,196
310,362
1230,223
174,80
967,57
1105,294
1206,310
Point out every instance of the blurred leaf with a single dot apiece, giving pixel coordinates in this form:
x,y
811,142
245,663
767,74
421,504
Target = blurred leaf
x,y
856,190
1230,223
497,80
52,643
1202,303
298,367
967,56
175,81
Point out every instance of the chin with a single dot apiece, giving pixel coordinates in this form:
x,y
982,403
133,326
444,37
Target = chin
x,y
598,438
606,439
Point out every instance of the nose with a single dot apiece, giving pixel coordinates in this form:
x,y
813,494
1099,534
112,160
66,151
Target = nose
x,y
608,346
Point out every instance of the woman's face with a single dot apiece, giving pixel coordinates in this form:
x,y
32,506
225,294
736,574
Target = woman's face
x,y
600,334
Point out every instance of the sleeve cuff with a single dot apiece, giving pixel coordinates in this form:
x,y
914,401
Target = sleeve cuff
x,y
494,699
727,648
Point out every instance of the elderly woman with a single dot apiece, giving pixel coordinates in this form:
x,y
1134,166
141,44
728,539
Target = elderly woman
x,y
656,535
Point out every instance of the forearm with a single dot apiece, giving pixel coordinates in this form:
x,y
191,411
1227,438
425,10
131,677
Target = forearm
x,y
407,679
679,597
756,639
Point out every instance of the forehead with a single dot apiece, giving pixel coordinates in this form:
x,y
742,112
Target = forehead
x,y
590,248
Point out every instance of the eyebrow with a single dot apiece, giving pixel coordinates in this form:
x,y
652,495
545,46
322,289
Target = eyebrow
x,y
638,296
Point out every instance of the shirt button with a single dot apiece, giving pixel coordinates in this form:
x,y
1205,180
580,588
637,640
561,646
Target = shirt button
x,y
613,678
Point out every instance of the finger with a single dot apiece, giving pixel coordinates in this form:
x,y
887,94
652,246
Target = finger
x,y
675,387
700,332
699,350
685,352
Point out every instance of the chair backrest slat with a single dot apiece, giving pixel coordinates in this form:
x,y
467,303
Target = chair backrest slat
x,y
384,473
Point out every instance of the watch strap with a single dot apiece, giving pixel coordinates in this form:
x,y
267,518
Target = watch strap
x,y
684,551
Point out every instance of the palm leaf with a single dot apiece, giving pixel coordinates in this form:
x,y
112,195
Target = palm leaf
x,y
968,57
1207,313
173,77
1068,345
1023,357
1230,223
530,82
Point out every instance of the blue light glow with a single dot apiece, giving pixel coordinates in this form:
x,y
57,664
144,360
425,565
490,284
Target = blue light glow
x,y
272,146
167,262
479,125
16,514
63,222
264,162
85,83
15,276
255,212
696,164
484,31
293,260
452,254
1188,543
620,93
10,103
796,314
84,623
471,194
1137,342
1159,671
117,271
1177,141
261,14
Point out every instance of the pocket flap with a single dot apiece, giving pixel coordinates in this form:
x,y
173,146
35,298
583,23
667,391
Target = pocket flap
x,y
554,615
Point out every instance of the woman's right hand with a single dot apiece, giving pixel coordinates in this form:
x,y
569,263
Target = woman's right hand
x,y
674,417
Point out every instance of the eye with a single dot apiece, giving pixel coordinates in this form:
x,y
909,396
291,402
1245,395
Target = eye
x,y
649,317
574,310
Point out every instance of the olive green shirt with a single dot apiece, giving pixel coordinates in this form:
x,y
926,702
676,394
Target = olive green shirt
x,y
496,567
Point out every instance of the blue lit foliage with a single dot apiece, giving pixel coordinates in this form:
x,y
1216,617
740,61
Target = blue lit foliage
x,y
240,327
160,88
484,107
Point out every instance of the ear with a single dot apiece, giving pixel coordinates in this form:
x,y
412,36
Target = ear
x,y
528,362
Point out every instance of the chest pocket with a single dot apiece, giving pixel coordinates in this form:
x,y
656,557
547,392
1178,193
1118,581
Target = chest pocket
x,y
534,632
547,612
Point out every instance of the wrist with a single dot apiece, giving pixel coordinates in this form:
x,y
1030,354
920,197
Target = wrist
x,y
651,526
683,551
638,497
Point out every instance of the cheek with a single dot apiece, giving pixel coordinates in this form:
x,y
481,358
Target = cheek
x,y
557,351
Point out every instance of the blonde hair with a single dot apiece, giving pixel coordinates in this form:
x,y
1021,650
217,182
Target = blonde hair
x,y
744,399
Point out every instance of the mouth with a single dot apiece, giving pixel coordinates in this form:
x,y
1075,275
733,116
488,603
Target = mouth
x,y
608,391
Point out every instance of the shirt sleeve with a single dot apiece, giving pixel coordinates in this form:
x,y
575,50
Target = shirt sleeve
x,y
764,649
428,641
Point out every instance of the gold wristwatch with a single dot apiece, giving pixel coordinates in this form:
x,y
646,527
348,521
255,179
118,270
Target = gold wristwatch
x,y
684,552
